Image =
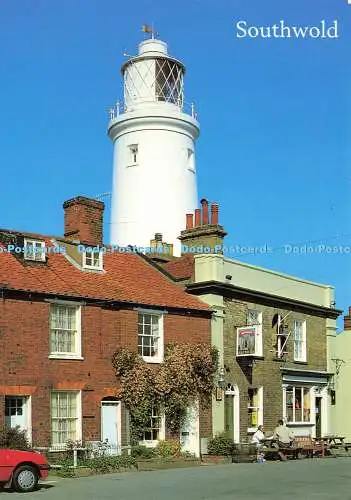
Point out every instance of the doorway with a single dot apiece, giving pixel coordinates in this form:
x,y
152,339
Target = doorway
x,y
232,414
189,432
17,413
111,425
318,413
229,415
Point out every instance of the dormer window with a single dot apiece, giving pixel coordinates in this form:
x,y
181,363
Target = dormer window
x,y
34,250
92,259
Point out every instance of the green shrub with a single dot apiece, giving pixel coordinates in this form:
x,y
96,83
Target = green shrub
x,y
140,451
66,469
221,445
105,464
14,438
168,448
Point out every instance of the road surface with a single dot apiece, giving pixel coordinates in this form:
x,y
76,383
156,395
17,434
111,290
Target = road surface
x,y
307,479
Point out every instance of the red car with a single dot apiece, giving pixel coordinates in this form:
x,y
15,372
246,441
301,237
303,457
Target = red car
x,y
21,470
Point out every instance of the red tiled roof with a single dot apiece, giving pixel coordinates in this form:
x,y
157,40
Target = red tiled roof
x,y
127,277
181,268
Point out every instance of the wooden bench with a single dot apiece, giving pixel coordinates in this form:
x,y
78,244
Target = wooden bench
x,y
311,447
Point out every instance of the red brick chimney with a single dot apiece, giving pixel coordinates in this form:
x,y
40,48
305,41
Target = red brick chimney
x,y
84,220
197,217
347,320
214,213
189,221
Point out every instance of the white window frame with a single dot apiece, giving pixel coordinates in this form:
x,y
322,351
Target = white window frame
x,y
77,353
255,326
133,155
161,433
191,159
258,409
300,348
35,255
304,390
157,358
58,446
90,254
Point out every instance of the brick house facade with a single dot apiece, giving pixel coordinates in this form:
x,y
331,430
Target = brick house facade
x,y
62,316
281,325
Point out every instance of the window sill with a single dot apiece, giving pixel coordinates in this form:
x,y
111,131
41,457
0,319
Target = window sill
x,y
63,356
256,356
300,424
300,362
149,444
93,268
149,359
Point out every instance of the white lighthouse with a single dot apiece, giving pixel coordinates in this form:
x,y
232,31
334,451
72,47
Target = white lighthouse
x,y
154,134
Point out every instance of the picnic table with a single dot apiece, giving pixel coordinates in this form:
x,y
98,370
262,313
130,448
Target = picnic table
x,y
333,441
336,442
271,448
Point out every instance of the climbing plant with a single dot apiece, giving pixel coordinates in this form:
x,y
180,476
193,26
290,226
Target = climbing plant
x,y
188,373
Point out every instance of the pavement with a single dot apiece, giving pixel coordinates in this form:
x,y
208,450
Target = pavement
x,y
307,479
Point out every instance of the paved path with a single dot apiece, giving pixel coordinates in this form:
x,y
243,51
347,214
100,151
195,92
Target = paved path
x,y
328,479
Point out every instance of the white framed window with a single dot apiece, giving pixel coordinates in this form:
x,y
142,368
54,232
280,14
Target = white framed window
x,y
133,155
255,408
66,417
191,160
34,250
297,403
150,336
156,429
65,331
300,353
249,338
93,259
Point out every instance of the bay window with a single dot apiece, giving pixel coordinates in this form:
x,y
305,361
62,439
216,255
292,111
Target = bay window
x,y
298,404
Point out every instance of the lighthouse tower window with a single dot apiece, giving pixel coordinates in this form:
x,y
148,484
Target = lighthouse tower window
x,y
191,162
133,155
168,81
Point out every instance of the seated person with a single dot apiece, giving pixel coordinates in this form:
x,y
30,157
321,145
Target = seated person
x,y
283,435
258,438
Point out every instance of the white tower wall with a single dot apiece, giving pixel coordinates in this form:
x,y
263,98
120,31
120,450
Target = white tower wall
x,y
154,174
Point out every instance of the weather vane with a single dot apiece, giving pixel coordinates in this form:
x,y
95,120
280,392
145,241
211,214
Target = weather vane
x,y
146,28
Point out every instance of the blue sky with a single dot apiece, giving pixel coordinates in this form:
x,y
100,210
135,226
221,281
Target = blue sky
x,y
275,117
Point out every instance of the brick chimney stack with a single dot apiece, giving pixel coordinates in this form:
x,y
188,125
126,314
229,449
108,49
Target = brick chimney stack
x,y
84,220
202,233
347,320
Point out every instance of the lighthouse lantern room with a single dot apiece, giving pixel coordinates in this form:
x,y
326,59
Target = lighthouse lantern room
x,y
154,134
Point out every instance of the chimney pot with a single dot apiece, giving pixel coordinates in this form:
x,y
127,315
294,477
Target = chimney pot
x,y
189,221
347,321
214,213
205,219
197,217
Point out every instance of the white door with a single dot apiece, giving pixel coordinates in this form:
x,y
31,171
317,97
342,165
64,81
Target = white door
x,y
189,433
111,426
16,412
